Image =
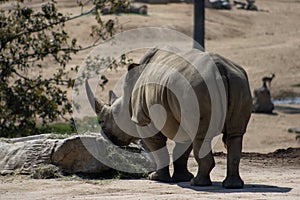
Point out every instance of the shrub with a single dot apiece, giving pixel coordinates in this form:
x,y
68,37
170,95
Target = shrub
x,y
29,36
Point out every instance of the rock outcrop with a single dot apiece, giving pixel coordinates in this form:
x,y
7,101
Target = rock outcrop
x,y
79,154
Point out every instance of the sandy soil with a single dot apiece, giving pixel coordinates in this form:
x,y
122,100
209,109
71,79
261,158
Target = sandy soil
x,y
266,177
263,43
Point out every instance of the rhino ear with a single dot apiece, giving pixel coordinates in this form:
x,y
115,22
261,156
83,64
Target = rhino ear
x,y
131,66
112,97
147,57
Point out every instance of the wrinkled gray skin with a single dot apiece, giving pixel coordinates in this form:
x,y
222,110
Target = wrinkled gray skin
x,y
237,117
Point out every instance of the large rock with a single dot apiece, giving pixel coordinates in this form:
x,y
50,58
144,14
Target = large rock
x,y
21,155
72,156
77,154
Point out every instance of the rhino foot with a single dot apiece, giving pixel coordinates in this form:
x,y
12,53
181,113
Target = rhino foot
x,y
182,176
161,176
201,181
233,182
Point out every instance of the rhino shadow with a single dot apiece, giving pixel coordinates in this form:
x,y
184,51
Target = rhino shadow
x,y
252,188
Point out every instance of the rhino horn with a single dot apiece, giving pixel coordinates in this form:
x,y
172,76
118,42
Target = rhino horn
x,y
98,105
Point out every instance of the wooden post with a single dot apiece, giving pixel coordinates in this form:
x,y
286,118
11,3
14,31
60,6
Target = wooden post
x,y
199,23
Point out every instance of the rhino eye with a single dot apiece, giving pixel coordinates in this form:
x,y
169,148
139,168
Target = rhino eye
x,y
101,122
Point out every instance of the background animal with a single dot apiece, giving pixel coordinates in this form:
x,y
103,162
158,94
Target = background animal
x,y
267,80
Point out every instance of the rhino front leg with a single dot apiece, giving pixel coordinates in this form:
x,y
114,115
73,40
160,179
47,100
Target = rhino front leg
x,y
234,149
156,146
205,163
181,172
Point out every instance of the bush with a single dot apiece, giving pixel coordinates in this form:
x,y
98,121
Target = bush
x,y
28,37
45,172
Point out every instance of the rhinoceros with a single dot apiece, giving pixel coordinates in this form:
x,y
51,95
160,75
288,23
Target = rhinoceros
x,y
154,75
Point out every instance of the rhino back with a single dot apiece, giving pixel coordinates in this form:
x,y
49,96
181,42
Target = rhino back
x,y
164,79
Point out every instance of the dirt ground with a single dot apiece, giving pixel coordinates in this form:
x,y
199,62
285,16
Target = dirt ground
x,y
263,43
271,176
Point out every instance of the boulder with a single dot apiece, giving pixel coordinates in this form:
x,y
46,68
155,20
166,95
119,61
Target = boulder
x,y
79,154
21,155
71,156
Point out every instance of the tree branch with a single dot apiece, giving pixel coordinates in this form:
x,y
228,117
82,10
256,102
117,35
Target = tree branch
x,y
29,31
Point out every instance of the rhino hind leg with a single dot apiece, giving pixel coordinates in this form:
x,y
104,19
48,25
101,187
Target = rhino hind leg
x,y
234,148
157,146
181,172
205,165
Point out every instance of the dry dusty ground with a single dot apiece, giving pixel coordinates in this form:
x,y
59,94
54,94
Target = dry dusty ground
x,y
272,176
262,42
